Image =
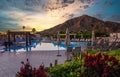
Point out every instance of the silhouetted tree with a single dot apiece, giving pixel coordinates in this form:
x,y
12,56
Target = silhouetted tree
x,y
33,30
7,31
23,28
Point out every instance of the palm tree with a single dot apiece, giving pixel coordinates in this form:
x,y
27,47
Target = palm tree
x,y
7,31
23,28
33,30
0,33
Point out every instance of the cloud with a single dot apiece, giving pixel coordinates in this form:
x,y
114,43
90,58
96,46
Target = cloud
x,y
98,16
41,14
115,18
108,3
68,8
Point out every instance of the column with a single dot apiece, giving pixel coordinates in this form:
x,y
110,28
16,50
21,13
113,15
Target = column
x,y
26,39
29,39
8,43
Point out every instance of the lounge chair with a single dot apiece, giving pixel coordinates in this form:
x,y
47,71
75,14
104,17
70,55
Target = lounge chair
x,y
76,51
69,53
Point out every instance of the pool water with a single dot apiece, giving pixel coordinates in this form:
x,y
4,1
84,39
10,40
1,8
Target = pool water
x,y
38,46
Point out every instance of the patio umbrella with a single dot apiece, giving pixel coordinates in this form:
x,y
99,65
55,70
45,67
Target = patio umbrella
x,y
93,39
67,43
58,42
67,38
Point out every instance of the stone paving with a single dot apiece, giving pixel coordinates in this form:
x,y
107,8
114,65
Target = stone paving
x,y
10,61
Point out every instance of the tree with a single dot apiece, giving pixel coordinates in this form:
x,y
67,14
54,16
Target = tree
x,y
79,34
33,30
99,33
62,32
7,31
23,28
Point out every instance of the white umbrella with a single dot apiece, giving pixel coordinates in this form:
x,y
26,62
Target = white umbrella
x,y
93,38
58,38
67,38
58,42
67,43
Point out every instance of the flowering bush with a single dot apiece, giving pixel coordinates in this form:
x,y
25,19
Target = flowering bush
x,y
89,65
98,65
27,71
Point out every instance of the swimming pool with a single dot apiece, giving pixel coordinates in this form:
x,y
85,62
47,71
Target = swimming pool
x,y
41,46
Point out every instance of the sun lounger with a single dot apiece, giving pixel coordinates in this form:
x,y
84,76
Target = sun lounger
x,y
76,51
69,53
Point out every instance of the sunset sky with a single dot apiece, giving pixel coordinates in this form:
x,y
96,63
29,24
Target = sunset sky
x,y
44,14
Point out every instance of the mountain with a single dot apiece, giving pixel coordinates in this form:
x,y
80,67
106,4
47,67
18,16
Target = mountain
x,y
84,23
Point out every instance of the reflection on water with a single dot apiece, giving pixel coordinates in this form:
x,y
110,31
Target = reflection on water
x,y
38,45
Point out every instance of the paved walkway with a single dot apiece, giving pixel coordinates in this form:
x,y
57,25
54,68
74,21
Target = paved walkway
x,y
10,62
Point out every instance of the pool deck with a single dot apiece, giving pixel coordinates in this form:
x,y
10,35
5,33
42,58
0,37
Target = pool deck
x,y
10,61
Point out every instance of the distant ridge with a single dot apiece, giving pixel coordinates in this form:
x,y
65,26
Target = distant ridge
x,y
83,23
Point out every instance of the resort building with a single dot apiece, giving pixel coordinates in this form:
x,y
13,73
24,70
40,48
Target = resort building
x,y
115,35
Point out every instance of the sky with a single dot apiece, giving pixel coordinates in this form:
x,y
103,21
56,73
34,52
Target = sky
x,y
44,14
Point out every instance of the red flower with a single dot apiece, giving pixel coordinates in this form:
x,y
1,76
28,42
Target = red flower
x,y
95,64
105,57
100,64
98,56
28,71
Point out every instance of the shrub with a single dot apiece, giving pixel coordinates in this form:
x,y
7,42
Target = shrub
x,y
27,71
98,65
68,69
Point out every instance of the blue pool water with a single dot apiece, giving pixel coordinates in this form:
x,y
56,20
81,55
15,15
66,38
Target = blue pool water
x,y
38,45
